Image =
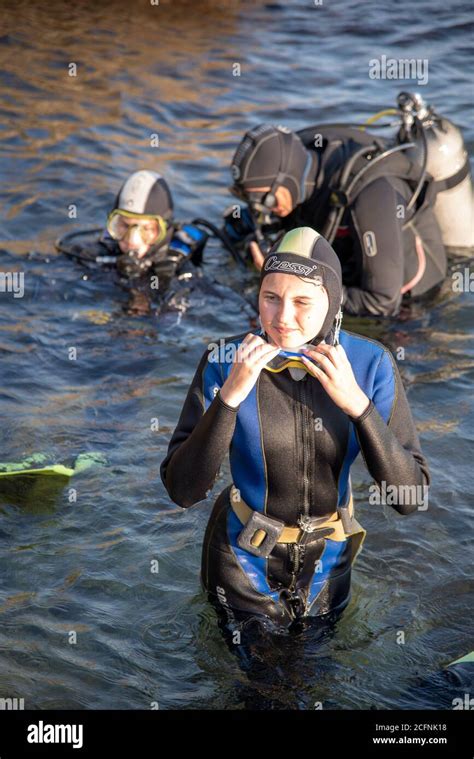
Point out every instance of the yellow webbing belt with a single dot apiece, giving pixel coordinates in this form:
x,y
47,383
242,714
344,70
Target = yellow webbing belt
x,y
294,534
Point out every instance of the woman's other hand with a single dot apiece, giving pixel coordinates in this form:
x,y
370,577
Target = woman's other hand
x,y
334,371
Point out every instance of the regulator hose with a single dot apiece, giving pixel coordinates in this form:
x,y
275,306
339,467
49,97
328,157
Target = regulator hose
x,y
63,245
221,235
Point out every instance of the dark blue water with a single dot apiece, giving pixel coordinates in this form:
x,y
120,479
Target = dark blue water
x,y
85,566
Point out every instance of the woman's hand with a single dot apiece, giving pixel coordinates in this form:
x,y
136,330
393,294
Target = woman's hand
x,y
335,374
252,355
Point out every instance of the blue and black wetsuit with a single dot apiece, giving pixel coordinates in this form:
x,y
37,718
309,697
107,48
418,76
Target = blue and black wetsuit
x,y
183,243
286,465
145,278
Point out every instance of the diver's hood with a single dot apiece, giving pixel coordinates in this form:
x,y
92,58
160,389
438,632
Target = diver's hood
x,y
146,193
274,156
303,252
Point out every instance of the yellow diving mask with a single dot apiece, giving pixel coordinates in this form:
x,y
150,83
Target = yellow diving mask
x,y
152,229
287,359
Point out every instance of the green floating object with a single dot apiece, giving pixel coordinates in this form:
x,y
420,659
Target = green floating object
x,y
89,460
469,658
57,469
34,465
35,484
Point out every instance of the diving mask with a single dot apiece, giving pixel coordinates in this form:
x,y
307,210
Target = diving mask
x,y
286,359
152,229
258,202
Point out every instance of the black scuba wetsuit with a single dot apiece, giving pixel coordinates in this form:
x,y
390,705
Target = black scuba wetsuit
x,y
385,249
183,242
144,278
378,256
285,465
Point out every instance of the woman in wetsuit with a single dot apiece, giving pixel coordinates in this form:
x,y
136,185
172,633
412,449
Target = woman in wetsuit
x,y
281,540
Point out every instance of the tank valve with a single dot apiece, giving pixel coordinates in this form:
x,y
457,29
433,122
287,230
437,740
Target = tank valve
x,y
412,105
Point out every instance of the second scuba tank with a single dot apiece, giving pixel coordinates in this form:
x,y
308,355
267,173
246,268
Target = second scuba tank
x,y
440,151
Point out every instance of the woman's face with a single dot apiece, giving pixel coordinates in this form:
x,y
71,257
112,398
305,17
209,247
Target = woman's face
x,y
292,310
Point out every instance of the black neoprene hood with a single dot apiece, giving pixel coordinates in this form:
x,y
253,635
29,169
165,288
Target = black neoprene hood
x,y
271,156
304,253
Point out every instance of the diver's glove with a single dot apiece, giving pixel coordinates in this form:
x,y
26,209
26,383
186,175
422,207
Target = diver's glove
x,y
247,228
239,228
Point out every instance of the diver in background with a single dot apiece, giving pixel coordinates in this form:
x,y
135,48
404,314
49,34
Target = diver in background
x,y
142,240
387,217
152,248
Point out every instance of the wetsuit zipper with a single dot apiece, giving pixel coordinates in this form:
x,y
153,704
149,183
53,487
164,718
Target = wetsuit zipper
x,y
297,554
304,420
294,549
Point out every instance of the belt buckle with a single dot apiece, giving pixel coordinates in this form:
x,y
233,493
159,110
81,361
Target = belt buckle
x,y
309,526
258,521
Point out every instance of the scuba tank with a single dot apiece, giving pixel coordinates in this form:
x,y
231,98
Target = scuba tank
x,y
440,152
